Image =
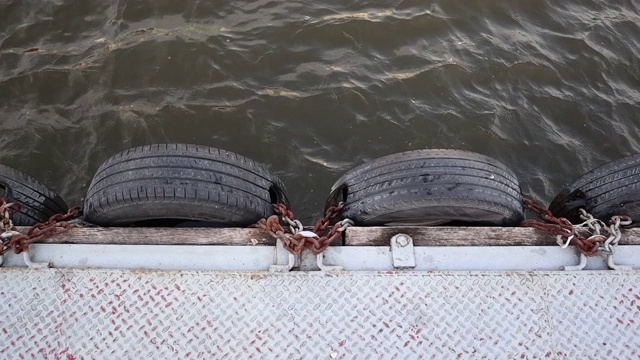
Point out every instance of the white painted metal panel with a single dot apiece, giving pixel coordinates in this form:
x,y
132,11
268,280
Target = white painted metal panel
x,y
82,313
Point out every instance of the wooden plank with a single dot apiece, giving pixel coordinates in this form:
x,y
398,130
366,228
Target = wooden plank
x,y
355,236
162,236
464,236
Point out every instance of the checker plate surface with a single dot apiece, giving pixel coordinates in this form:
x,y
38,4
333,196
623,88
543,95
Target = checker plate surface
x,y
75,313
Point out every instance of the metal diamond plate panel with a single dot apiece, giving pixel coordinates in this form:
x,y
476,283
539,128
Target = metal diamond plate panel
x,y
74,314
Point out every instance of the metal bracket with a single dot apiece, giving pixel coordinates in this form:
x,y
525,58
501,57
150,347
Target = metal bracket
x,y
26,256
580,266
608,260
292,259
613,266
6,236
402,252
323,267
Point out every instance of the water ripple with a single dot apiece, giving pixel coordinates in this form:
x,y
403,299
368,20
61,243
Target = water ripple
x,y
313,88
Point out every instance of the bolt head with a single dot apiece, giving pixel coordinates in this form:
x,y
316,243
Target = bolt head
x,y
402,240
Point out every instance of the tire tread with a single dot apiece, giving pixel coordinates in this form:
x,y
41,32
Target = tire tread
x,y
217,185
432,186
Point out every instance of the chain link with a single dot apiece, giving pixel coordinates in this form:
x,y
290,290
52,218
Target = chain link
x,y
19,242
7,209
587,236
608,247
295,241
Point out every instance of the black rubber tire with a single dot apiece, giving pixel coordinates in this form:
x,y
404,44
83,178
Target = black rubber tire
x,y
430,187
38,202
180,181
611,189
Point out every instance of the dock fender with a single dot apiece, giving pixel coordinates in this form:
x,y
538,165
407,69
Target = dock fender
x,y
168,184
611,189
430,187
38,202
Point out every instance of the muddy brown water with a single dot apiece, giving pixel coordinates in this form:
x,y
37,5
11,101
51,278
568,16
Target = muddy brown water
x,y
313,88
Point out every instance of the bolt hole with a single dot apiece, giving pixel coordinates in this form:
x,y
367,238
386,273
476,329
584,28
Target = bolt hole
x,y
277,195
338,194
273,195
345,193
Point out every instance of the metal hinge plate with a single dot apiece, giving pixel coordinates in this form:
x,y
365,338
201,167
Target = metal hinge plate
x,y
402,252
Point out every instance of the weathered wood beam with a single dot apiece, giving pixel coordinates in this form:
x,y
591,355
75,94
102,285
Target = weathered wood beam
x,y
464,236
161,236
355,236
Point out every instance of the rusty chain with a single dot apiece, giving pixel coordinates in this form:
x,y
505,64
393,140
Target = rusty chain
x,y
18,242
298,238
569,234
320,244
7,209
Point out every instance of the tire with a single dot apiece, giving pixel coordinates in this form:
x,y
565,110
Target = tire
x,y
430,187
181,182
611,189
38,202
